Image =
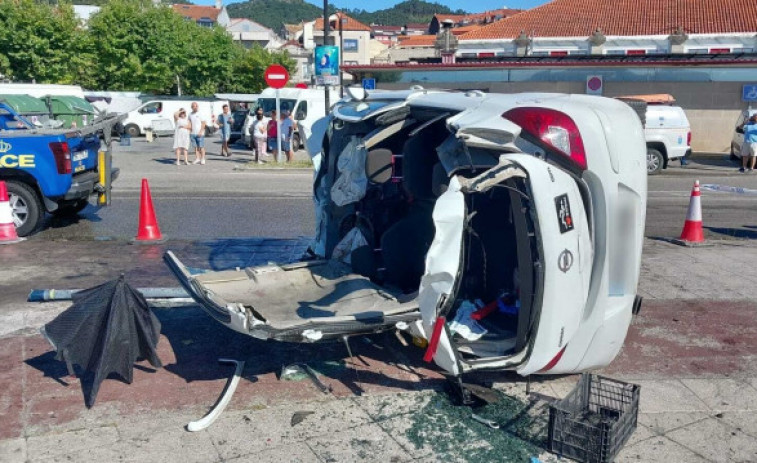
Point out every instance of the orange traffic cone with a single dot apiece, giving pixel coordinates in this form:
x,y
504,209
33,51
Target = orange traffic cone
x,y
692,228
148,230
8,233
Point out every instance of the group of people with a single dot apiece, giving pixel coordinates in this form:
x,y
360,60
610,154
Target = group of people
x,y
265,132
190,131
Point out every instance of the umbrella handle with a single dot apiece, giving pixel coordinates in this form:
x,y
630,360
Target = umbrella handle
x,y
231,386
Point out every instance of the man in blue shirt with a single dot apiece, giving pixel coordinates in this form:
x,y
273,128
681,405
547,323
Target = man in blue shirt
x,y
749,147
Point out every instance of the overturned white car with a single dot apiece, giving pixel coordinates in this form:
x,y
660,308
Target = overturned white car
x,y
506,229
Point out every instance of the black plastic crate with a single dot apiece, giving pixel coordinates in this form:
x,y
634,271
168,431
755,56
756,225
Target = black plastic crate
x,y
595,420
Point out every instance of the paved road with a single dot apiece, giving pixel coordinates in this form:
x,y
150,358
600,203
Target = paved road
x,y
214,200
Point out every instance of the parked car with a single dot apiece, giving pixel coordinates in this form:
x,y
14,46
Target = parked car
x,y
527,210
239,116
666,129
738,133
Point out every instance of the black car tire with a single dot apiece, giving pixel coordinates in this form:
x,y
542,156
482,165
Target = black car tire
x,y
655,161
734,157
71,208
25,196
132,130
296,142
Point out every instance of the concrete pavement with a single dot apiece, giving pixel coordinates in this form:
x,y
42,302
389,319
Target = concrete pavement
x,y
691,349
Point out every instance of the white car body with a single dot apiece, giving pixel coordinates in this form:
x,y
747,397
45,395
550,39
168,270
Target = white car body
x,y
667,131
738,132
305,105
157,114
543,195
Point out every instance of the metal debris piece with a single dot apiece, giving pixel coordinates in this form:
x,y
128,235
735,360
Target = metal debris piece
x,y
483,393
231,386
295,369
299,417
491,423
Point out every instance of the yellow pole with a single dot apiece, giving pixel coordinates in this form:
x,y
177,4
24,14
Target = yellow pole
x,y
101,169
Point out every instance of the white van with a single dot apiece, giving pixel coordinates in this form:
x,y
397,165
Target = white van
x,y
668,134
306,105
738,133
157,114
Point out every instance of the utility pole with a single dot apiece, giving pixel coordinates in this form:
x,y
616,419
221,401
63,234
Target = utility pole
x,y
326,42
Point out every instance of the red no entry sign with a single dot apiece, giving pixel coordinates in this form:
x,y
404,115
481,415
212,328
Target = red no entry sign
x,y
276,76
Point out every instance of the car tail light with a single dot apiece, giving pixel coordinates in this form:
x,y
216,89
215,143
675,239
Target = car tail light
x,y
552,363
688,139
553,128
62,156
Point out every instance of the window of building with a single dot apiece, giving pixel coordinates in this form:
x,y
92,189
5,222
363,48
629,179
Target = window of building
x,y
615,52
539,53
205,22
697,51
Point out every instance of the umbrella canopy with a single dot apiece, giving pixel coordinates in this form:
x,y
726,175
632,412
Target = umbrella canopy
x,y
106,330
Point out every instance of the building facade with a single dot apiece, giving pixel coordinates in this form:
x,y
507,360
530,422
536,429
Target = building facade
x,y
248,33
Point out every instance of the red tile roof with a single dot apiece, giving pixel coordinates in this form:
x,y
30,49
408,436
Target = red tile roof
x,y
580,18
197,12
352,24
477,17
416,41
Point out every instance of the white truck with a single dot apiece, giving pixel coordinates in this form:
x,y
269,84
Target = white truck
x,y
306,105
666,130
157,114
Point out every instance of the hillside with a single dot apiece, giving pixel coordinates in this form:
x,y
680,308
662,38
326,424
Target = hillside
x,y
274,13
409,11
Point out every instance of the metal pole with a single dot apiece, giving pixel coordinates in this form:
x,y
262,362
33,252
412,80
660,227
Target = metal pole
x,y
278,128
326,42
341,57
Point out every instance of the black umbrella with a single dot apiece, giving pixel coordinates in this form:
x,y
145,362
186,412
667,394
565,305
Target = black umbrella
x,y
106,330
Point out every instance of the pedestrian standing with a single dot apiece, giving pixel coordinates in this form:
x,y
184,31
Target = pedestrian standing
x,y
181,136
287,130
749,147
272,134
224,121
259,132
197,135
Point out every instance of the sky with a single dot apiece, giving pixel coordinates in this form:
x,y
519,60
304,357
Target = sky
x,y
468,5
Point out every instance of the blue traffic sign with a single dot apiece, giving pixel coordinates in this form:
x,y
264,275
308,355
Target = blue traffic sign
x,y
749,92
369,84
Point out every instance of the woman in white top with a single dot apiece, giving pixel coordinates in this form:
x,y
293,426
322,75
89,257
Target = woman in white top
x,y
181,136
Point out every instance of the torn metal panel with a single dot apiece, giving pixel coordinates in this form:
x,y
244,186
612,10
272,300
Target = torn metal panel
x,y
506,169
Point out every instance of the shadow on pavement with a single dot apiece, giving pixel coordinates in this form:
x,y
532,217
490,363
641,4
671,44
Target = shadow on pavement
x,y
198,342
747,232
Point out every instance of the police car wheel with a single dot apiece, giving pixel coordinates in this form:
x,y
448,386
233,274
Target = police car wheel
x,y
26,208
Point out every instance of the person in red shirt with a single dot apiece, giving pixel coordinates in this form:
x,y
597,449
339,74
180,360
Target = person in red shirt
x,y
272,133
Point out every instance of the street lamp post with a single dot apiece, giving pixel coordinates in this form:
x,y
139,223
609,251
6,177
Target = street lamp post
x,y
341,55
326,42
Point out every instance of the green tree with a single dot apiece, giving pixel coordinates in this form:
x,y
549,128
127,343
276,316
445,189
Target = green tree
x,y
42,42
152,49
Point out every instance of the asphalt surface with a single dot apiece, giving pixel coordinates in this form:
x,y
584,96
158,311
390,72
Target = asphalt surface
x,y
218,200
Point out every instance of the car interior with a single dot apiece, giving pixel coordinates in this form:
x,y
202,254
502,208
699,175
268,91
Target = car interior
x,y
380,277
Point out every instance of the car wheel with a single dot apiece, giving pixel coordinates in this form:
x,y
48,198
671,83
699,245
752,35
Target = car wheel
x,y
26,207
734,156
71,208
655,161
132,130
296,142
